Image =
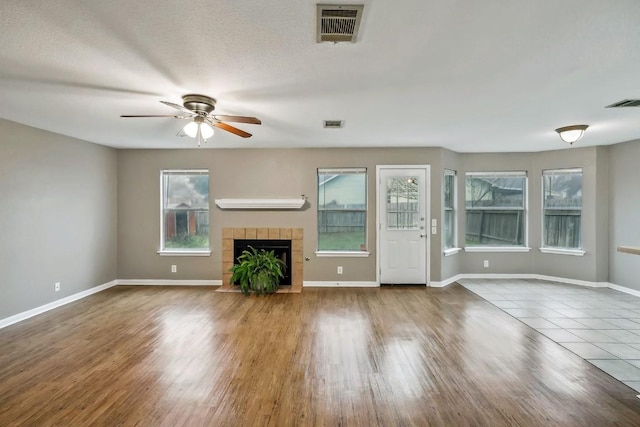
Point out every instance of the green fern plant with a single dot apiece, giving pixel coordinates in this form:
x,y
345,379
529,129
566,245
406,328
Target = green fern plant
x,y
258,271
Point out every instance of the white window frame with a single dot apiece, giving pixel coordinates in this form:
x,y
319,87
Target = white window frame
x,y
344,253
162,251
454,209
525,240
555,249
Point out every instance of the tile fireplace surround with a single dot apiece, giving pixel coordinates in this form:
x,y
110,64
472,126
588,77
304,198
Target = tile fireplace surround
x,y
293,234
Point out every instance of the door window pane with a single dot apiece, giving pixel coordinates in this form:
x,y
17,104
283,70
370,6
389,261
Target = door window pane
x,y
402,203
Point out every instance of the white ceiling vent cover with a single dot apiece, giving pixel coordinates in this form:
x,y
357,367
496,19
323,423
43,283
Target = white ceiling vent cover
x,y
338,23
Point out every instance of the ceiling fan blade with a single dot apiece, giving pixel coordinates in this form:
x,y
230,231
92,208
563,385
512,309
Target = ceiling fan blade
x,y
179,107
238,119
154,115
231,129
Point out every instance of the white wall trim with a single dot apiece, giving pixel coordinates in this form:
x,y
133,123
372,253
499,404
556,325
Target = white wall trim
x,y
171,282
342,254
170,252
55,304
505,249
339,284
451,251
572,281
446,282
560,251
624,289
587,283
309,284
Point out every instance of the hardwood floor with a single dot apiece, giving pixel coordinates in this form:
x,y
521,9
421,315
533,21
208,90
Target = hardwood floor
x,y
170,356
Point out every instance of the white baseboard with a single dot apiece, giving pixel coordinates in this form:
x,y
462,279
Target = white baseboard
x,y
538,277
624,289
55,304
325,284
445,282
165,282
572,281
337,284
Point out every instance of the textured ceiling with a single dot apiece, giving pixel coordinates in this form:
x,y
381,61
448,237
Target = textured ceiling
x,y
466,75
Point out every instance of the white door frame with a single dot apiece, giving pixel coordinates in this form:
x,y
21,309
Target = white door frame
x,y
427,227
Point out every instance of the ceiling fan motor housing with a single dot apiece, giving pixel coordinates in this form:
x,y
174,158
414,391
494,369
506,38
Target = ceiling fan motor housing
x,y
199,104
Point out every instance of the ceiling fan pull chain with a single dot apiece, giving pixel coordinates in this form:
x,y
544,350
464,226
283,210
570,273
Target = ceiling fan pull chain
x,y
199,134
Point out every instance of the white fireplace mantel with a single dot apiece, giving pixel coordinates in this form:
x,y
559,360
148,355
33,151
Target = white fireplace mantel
x,y
260,203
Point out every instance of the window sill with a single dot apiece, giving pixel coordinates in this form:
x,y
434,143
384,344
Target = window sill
x,y
451,251
203,252
344,254
496,249
560,251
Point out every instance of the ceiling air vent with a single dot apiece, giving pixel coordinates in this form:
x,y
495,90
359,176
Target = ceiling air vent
x,y
333,124
338,23
625,103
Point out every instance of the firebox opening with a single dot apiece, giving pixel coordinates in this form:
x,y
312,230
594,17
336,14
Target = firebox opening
x,y
281,248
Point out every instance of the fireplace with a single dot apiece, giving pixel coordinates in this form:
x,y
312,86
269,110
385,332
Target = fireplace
x,y
253,235
281,249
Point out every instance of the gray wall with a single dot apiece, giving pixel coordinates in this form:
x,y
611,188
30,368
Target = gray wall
x,y
251,173
59,223
602,208
589,267
248,173
624,220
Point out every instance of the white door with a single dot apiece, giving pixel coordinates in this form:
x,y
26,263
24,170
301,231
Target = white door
x,y
402,224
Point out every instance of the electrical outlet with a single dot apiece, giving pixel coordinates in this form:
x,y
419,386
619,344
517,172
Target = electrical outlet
x,y
486,263
174,268
56,286
339,269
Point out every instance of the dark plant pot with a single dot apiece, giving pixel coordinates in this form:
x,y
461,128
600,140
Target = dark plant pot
x,y
263,283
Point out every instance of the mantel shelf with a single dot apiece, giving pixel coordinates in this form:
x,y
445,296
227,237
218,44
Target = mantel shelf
x,y
260,203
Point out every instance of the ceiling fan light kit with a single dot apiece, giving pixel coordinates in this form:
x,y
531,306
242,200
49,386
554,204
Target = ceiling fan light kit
x,y
198,129
571,134
198,109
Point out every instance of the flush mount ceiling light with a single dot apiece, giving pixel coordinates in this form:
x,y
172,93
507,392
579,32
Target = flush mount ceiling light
x,y
571,134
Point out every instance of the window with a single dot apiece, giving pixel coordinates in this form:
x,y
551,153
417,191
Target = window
x,y
403,212
185,211
449,215
342,209
562,204
495,209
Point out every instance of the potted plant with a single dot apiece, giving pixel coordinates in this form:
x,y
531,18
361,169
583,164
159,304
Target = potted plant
x,y
258,271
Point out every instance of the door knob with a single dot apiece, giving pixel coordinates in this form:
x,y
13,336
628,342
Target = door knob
x,y
423,235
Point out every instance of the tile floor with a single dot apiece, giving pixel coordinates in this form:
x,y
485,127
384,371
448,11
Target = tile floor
x,y
598,324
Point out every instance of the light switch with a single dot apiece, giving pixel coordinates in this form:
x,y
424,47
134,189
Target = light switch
x,y
434,230
434,222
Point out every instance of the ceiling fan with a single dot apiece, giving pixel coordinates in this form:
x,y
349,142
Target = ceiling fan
x,y
198,110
